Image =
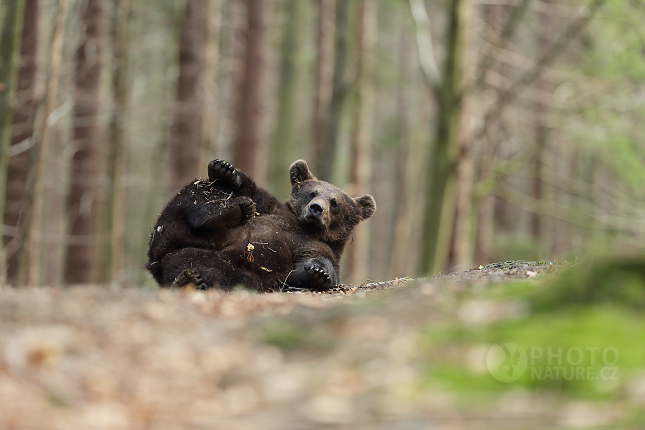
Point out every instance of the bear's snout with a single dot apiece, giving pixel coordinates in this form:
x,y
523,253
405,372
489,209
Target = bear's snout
x,y
315,209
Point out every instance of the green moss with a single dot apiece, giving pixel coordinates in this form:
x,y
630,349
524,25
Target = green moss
x,y
292,335
285,335
619,281
518,289
587,353
582,337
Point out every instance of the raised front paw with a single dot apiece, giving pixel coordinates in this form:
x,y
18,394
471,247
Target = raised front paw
x,y
224,171
187,277
320,279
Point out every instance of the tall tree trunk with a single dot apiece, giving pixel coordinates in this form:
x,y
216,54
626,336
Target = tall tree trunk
x,y
211,90
112,248
485,202
360,163
82,204
8,38
460,255
401,200
22,139
282,142
443,156
227,84
248,155
187,133
324,46
28,258
327,155
538,221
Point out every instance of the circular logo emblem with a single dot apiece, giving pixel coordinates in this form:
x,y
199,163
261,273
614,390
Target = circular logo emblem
x,y
507,361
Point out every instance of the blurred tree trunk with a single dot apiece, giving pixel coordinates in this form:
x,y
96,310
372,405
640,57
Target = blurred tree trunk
x,y
460,255
360,164
187,134
22,139
210,119
498,34
82,204
28,247
248,153
563,231
8,45
538,221
485,205
227,39
282,142
485,200
112,249
448,91
327,155
401,200
324,69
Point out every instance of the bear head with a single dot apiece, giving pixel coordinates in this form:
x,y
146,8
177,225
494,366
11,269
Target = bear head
x,y
323,210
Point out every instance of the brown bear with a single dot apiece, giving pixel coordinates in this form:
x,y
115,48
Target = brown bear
x,y
228,231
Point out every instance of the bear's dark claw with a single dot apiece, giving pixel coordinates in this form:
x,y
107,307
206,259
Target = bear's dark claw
x,y
224,171
187,277
319,276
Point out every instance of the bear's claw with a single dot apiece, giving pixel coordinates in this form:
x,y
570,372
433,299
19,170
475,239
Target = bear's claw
x,y
223,170
248,210
189,276
319,275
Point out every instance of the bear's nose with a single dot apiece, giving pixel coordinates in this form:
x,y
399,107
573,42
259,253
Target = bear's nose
x,y
316,209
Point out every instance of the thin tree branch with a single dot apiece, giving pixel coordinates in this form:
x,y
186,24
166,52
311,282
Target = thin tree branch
x,y
565,213
427,58
541,7
500,43
550,55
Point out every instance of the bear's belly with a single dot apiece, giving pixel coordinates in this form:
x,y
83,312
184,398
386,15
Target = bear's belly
x,y
263,245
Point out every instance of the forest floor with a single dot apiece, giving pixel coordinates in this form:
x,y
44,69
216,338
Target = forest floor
x,y
402,354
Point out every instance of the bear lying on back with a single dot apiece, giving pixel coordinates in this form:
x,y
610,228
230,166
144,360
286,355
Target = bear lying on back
x,y
228,231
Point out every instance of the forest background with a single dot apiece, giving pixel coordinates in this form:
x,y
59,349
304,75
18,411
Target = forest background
x,y
485,129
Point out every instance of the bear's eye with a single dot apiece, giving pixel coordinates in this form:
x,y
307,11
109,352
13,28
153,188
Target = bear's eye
x,y
333,203
312,195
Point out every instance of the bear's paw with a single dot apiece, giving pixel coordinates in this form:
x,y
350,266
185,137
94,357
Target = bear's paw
x,y
187,277
319,276
224,171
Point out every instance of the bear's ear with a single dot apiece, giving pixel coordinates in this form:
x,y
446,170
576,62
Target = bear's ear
x,y
299,172
367,205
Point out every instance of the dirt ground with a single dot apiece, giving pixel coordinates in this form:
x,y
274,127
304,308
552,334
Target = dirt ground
x,y
93,357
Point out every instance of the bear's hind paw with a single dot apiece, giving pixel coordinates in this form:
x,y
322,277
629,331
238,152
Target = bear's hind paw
x,y
223,170
187,277
319,276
